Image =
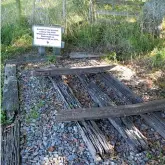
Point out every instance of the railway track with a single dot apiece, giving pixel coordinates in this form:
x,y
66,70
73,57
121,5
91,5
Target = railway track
x,y
85,88
100,90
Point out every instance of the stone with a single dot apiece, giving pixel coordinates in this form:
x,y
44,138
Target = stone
x,y
129,157
144,127
92,163
72,157
45,143
51,149
35,154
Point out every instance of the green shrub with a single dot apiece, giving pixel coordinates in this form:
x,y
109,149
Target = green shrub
x,y
11,32
16,38
84,36
158,58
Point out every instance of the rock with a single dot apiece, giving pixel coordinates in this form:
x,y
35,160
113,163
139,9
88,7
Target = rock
x,y
92,163
75,129
72,157
44,138
45,143
112,163
56,155
145,159
51,149
144,127
35,153
62,125
130,158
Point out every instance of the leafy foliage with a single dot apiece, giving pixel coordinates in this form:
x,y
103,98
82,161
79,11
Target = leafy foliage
x,y
158,57
3,117
16,38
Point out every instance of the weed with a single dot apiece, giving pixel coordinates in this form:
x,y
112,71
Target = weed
x,y
110,57
71,106
51,59
40,104
149,156
161,158
158,58
16,38
34,114
3,117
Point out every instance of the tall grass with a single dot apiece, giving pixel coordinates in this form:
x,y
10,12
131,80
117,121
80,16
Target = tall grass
x,y
15,39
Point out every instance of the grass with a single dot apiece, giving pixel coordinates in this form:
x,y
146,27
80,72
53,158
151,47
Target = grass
x,y
3,120
126,40
51,59
16,39
34,114
158,58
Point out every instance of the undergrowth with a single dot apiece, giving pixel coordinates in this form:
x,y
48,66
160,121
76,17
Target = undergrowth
x,y
15,39
158,58
125,38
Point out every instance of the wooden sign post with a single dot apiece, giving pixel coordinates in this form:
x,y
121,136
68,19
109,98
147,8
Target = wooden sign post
x,y
48,37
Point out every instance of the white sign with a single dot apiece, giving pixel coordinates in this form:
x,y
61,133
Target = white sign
x,y
47,36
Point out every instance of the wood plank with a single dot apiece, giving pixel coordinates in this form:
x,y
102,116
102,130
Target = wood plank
x,y
71,71
119,2
78,55
23,61
10,147
119,87
126,129
106,112
153,120
92,135
10,70
116,13
10,102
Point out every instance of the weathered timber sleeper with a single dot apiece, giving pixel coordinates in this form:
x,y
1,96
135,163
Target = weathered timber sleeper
x,y
10,91
154,120
92,135
124,125
11,144
78,55
71,71
111,111
10,134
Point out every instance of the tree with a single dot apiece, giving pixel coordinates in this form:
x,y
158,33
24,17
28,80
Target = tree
x,y
152,17
18,3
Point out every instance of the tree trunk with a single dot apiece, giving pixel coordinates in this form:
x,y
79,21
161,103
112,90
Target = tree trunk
x,y
152,17
18,3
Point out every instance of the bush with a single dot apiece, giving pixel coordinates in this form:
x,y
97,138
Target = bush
x,y
158,58
16,38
